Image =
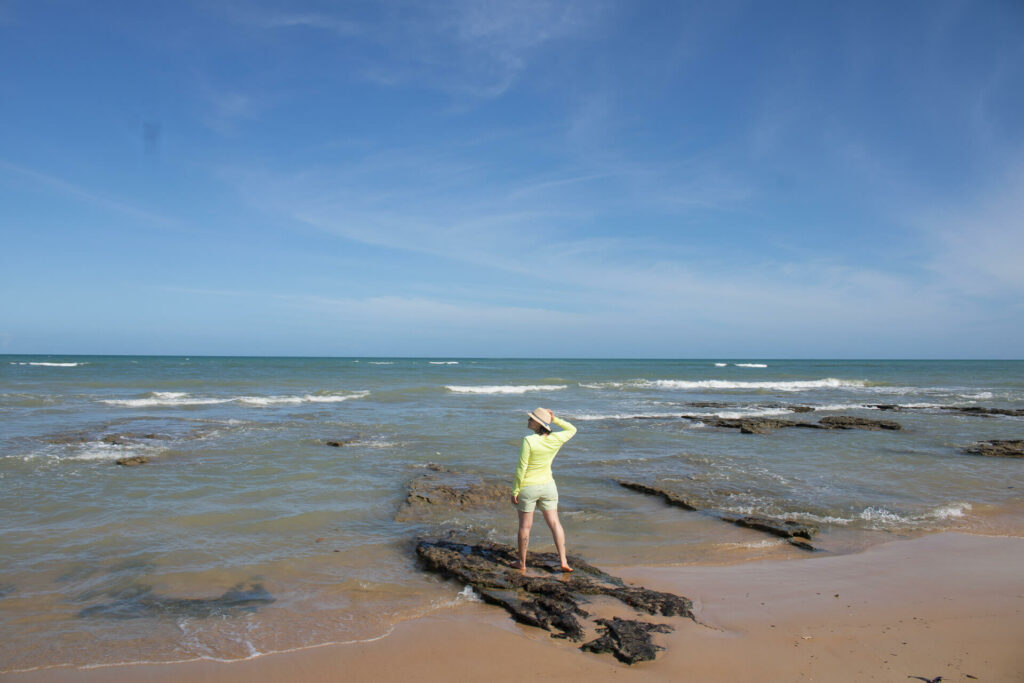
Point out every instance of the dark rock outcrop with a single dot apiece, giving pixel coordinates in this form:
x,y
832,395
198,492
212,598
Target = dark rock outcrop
x,y
796,533
979,411
763,425
338,443
627,639
1006,448
985,412
668,496
551,600
848,422
132,460
442,490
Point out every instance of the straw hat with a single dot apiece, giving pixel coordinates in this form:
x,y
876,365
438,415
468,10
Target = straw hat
x,y
543,417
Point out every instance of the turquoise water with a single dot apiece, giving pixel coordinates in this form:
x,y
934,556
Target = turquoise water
x,y
101,563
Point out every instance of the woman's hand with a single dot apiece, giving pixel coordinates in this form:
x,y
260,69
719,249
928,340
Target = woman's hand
x,y
515,499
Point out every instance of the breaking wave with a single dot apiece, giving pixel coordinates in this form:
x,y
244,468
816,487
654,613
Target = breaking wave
x,y
783,385
751,365
504,388
178,399
50,365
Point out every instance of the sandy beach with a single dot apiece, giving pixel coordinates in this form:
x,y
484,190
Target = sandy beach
x,y
949,605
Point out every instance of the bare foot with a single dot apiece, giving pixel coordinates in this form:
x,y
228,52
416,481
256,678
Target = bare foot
x,y
566,568
522,568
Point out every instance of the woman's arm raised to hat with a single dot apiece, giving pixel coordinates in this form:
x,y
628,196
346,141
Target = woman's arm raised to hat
x,y
568,431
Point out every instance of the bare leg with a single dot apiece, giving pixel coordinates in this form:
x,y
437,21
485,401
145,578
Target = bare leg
x,y
525,524
551,517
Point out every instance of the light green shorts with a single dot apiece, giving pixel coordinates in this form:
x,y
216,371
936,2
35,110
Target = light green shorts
x,y
541,496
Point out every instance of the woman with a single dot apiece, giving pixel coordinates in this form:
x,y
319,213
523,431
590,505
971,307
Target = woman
x,y
534,485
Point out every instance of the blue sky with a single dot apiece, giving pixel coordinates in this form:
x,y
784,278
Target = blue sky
x,y
595,179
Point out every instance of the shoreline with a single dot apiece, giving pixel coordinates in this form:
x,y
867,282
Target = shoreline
x,y
949,604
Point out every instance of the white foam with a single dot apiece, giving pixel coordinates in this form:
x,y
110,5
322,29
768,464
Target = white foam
x,y
505,388
443,362
51,365
790,385
294,400
844,406
625,416
755,412
177,399
751,365
720,365
164,398
382,362
880,516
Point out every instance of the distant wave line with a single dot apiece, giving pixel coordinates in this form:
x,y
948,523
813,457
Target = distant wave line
x,y
173,398
504,388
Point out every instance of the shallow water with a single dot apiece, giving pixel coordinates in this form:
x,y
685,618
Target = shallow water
x,y
246,533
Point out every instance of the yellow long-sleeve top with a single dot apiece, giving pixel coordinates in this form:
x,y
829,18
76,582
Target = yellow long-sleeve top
x,y
536,454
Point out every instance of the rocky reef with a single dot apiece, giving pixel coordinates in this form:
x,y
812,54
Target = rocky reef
x,y
439,491
549,599
763,425
797,533
1005,448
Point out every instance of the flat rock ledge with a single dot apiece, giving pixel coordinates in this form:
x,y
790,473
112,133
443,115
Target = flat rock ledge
x,y
552,600
1007,448
796,533
440,490
981,411
763,425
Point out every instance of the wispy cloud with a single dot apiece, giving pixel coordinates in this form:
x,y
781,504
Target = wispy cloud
x,y
463,47
86,195
979,246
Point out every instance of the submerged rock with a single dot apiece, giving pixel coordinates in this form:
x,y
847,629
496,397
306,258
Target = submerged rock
x,y
125,439
1006,448
797,533
551,600
442,490
140,601
132,460
338,443
628,640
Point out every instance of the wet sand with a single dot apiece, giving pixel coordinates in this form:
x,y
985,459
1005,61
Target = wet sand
x,y
949,605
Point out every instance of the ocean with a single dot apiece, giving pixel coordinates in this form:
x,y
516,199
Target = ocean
x,y
246,533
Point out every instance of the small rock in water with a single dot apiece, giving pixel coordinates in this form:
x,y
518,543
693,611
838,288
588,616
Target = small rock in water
x,y
132,461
